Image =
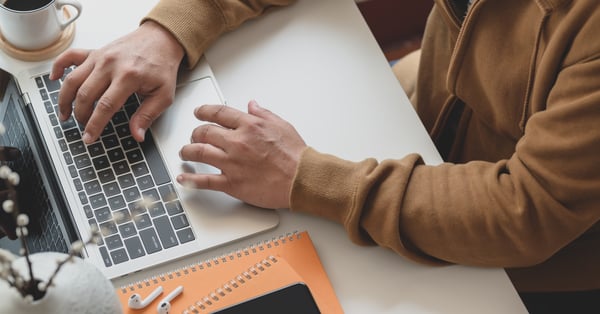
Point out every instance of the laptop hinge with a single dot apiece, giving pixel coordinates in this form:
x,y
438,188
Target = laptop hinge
x,y
26,100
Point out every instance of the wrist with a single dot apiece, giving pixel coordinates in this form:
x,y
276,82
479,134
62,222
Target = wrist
x,y
169,43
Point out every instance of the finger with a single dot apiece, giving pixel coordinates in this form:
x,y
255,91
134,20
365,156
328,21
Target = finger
x,y
220,114
204,153
109,103
255,109
88,94
150,109
69,89
210,134
215,182
67,59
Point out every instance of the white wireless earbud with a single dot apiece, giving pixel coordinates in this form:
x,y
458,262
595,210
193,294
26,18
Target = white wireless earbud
x,y
136,302
165,304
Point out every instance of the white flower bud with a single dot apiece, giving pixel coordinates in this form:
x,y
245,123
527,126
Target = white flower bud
x,y
8,206
4,172
14,178
22,220
6,256
77,246
42,286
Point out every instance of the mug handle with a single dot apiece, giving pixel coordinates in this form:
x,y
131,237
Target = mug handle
x,y
75,4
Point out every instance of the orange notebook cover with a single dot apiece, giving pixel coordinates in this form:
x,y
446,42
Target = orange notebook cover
x,y
268,275
200,279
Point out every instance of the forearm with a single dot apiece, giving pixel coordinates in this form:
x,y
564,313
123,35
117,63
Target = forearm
x,y
479,213
196,24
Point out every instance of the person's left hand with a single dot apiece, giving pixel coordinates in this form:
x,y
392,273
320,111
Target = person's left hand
x,y
257,152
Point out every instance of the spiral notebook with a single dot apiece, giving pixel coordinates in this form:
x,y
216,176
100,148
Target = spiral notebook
x,y
262,267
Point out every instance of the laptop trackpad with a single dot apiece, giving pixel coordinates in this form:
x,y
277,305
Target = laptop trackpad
x,y
213,212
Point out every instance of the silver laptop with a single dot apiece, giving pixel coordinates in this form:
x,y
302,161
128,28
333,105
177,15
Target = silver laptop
x,y
124,187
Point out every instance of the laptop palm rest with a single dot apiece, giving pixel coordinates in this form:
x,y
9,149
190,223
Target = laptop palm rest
x,y
216,217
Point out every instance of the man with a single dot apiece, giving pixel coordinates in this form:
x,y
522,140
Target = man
x,y
508,90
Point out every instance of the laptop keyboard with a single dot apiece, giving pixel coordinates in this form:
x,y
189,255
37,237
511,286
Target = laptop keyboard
x,y
123,186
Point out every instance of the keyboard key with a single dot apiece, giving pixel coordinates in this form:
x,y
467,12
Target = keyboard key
x,y
108,228
103,214
77,148
137,208
72,135
121,167
122,216
134,156
127,230
119,117
142,221
150,196
82,161
145,182
105,258
113,242
185,235
179,221
139,169
131,194
150,240
116,202
50,84
106,175
96,149
111,189
165,232
110,141
174,208
134,247
97,200
167,193
49,107
129,143
88,211
126,181
116,154
77,182
119,256
154,160
101,162
87,174
156,209
92,187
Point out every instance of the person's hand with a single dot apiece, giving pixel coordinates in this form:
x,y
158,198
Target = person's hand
x,y
257,153
145,61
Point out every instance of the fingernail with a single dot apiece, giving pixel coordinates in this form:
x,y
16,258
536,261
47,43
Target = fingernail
x,y
87,138
141,133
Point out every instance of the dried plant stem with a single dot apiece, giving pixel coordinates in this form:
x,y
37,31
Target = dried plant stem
x,y
72,254
24,245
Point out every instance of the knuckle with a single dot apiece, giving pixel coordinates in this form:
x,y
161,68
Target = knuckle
x,y
105,105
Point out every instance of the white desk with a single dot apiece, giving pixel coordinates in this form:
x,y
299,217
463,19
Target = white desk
x,y
317,65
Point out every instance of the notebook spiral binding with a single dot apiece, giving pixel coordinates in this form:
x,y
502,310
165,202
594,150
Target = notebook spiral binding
x,y
205,302
247,251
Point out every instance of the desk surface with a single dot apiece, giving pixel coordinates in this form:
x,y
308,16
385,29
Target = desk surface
x,y
317,65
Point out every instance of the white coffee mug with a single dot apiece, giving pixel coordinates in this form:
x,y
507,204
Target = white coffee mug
x,y
34,28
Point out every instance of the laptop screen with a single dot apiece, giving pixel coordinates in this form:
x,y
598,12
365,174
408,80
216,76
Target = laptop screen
x,y
37,190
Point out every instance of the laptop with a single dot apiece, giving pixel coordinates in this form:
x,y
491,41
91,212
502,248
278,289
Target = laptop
x,y
125,188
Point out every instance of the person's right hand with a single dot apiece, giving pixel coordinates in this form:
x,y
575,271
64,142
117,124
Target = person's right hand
x,y
144,61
